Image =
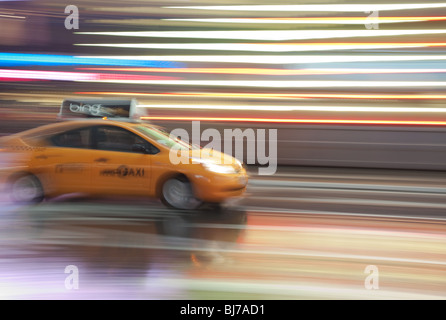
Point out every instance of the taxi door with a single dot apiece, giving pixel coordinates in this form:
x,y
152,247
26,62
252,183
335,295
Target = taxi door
x,y
118,167
64,166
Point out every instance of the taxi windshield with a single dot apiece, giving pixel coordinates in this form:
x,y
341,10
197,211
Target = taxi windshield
x,y
164,138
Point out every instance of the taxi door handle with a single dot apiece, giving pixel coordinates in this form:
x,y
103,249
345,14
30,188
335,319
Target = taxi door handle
x,y
101,160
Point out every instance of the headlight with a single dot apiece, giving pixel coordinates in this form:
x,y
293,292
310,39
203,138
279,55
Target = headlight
x,y
219,168
214,166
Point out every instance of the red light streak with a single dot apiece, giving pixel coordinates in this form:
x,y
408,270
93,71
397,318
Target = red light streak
x,y
300,121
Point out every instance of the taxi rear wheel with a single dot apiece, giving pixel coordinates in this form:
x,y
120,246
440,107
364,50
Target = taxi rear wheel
x,y
178,193
26,189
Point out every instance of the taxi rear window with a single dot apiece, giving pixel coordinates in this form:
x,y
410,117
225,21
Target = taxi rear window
x,y
79,138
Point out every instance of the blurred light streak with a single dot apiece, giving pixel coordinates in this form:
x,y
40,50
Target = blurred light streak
x,y
318,7
72,76
279,95
117,76
299,108
275,59
283,83
24,59
314,20
265,47
298,121
275,72
14,79
11,16
47,75
272,35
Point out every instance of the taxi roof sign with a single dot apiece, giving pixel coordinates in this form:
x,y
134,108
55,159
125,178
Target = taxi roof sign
x,y
99,108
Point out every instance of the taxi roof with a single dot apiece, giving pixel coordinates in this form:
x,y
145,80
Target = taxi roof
x,y
56,127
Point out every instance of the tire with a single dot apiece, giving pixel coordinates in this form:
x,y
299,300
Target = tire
x,y
26,189
178,193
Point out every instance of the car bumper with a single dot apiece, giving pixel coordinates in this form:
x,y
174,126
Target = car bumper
x,y
218,188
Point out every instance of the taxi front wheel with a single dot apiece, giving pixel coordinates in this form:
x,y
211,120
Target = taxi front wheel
x,y
26,189
178,193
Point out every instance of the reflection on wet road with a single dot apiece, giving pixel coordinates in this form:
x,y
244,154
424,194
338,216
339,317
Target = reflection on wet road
x,y
302,234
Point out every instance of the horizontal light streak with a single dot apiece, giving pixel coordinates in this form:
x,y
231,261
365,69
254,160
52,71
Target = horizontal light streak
x,y
11,16
272,35
317,7
278,95
26,59
276,72
285,83
47,75
14,79
73,76
266,47
314,20
297,108
299,121
272,59
365,20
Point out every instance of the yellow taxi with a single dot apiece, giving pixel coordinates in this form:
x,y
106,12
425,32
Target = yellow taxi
x,y
109,158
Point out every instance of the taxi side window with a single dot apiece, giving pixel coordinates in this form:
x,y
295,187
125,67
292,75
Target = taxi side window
x,y
117,139
79,138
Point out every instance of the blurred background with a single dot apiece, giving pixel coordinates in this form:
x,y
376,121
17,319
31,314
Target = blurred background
x,y
356,91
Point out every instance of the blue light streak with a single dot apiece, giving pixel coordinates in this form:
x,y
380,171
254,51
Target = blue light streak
x,y
27,59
